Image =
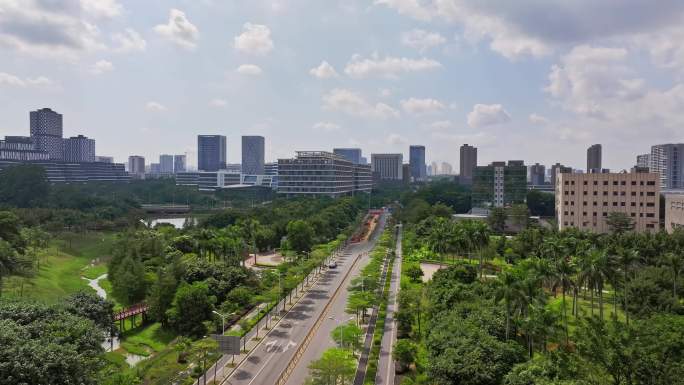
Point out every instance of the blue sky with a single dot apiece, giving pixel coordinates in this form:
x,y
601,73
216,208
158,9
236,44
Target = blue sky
x,y
527,79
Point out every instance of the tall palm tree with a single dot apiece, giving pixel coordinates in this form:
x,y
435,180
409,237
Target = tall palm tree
x,y
564,271
605,272
628,258
587,274
508,292
440,238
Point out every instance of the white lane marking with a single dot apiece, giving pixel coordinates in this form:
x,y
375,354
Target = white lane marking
x,y
271,345
289,345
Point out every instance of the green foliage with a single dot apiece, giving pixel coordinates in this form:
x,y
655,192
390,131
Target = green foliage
x,y
497,219
414,272
404,353
299,236
23,186
128,281
192,305
92,307
347,336
336,366
541,203
619,222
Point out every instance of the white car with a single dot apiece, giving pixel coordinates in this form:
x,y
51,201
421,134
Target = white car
x,y
332,265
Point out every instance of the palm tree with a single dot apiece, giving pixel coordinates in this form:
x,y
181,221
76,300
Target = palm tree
x,y
587,274
676,263
509,292
604,273
627,260
440,238
564,271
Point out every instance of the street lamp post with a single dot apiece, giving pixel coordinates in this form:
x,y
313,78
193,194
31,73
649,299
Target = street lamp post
x,y
223,320
338,326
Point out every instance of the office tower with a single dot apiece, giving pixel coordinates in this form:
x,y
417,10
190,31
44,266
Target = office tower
x,y
253,155
155,169
666,160
313,173
364,160
47,131
21,148
417,163
594,158
211,152
500,184
351,154
165,164
406,173
79,149
428,170
179,164
537,174
104,159
271,168
136,166
643,161
584,201
558,168
387,166
467,164
447,169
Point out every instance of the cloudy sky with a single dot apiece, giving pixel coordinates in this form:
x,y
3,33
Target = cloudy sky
x,y
538,80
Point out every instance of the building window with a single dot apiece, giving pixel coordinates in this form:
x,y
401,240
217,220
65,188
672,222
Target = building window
x,y
605,214
650,215
650,204
650,183
650,225
565,213
585,183
633,193
567,183
632,214
584,213
585,192
605,183
595,193
595,203
623,193
615,193
641,183
615,203
572,182
641,215
595,213
633,183
650,194
615,183
633,204
566,192
595,183
623,183
622,204
572,192
605,193
605,203
572,203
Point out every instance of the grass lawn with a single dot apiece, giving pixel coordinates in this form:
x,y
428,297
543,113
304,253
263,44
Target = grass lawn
x,y
584,309
146,340
61,266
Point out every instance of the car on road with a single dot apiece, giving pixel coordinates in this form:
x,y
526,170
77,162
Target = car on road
x,y
332,265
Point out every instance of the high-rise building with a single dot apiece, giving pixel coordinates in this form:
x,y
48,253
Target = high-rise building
x,y
417,162
594,158
500,184
387,166
47,132
447,169
253,155
136,166
668,161
79,149
467,164
643,161
322,173
21,148
558,168
584,201
165,164
406,173
537,174
179,163
271,168
351,154
435,168
364,160
211,152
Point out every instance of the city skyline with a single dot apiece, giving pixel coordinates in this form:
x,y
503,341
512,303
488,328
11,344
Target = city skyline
x,y
389,82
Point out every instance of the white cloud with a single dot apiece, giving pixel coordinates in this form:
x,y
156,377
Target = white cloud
x,y
476,138
249,69
396,139
129,41
102,66
422,106
218,103
389,67
413,8
385,92
324,71
102,8
422,40
352,103
10,80
155,107
255,40
179,30
441,125
36,27
487,114
326,127
538,119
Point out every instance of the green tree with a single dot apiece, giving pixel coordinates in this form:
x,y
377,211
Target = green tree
x,y
541,203
204,349
23,186
336,367
299,236
675,262
619,223
497,219
404,353
92,307
509,292
347,336
192,305
12,263
414,272
128,281
160,298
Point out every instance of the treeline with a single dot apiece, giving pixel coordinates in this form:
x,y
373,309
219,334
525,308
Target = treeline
x,y
543,307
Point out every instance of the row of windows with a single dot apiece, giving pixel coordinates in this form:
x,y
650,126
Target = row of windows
x,y
633,204
586,224
605,214
615,193
615,183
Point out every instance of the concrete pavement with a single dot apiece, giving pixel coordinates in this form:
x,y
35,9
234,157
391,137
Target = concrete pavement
x,y
385,373
269,359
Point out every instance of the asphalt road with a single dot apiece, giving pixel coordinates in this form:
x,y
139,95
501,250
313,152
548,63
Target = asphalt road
x,y
268,360
385,373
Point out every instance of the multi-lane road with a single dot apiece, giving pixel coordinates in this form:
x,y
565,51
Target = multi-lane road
x,y
271,357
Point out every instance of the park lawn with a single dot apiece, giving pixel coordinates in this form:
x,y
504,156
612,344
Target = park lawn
x,y
60,268
584,309
146,340
94,271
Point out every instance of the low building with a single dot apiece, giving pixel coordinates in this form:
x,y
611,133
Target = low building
x,y
21,148
313,173
65,172
224,179
136,166
79,149
500,184
388,166
584,201
674,211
